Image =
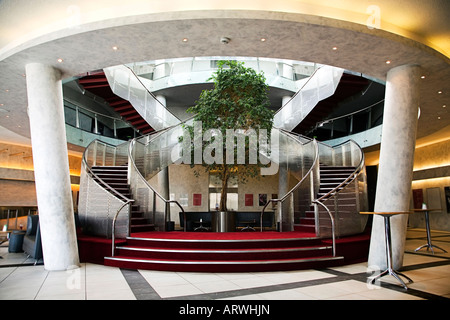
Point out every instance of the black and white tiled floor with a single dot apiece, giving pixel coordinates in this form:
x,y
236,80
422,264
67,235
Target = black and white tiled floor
x,y
20,279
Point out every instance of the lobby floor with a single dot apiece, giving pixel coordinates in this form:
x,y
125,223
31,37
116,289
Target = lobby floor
x,y
20,279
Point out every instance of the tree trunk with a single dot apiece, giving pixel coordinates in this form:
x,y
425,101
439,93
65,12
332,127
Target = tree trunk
x,y
223,192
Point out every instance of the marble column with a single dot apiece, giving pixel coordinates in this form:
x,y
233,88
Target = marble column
x,y
396,162
51,167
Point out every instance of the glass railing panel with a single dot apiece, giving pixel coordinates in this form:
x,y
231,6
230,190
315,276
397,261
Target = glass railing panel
x,y
128,86
319,86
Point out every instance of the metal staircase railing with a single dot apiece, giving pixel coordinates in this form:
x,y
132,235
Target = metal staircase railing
x,y
147,159
346,200
99,203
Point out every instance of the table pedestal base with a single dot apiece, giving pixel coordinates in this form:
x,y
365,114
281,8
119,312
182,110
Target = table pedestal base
x,y
393,273
390,270
428,245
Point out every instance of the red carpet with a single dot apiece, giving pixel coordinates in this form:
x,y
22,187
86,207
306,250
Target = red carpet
x,y
224,252
213,236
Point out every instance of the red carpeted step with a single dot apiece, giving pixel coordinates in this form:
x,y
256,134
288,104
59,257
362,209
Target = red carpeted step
x,y
220,265
226,240
230,252
224,254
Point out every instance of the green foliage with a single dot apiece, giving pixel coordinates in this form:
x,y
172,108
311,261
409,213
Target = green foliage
x,y
239,100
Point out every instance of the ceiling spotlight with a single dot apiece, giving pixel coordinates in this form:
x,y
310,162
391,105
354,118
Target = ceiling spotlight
x,y
334,48
388,61
115,48
263,39
185,39
60,60
225,40
439,92
422,77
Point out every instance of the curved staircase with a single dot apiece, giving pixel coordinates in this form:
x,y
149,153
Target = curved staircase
x,y
116,177
330,178
243,251
310,245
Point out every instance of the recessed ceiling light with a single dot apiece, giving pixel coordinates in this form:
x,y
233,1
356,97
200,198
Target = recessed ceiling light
x,y
422,77
115,48
444,106
388,61
334,48
263,39
60,60
439,118
185,39
439,92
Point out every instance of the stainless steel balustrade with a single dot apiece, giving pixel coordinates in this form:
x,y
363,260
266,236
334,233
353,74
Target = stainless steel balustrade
x,y
127,85
299,156
99,204
149,155
346,200
161,74
336,212
321,85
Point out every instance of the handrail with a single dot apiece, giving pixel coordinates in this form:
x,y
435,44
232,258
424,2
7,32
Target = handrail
x,y
92,174
301,88
316,157
351,177
333,235
113,232
335,190
115,193
80,106
150,187
320,85
352,113
149,92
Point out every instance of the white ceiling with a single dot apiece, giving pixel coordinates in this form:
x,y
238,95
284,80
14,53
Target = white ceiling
x,y
295,33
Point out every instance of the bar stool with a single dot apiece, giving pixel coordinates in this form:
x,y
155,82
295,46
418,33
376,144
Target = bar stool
x,y
428,245
387,229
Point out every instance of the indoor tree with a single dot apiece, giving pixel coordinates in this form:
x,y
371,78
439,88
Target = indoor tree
x,y
239,102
